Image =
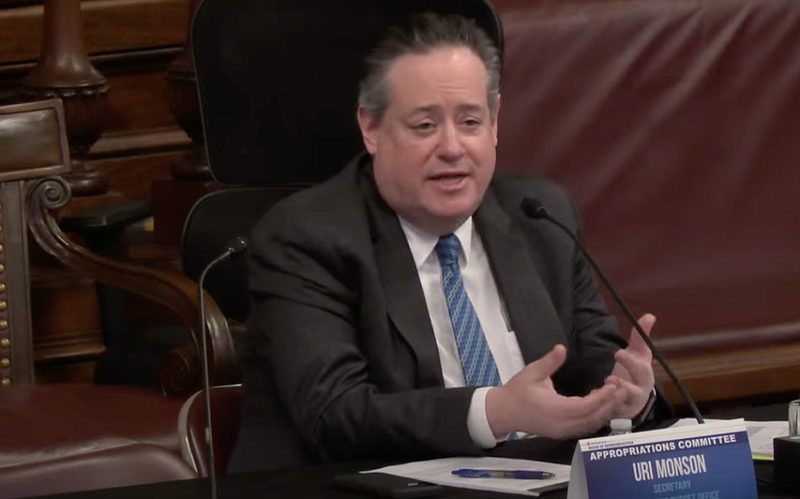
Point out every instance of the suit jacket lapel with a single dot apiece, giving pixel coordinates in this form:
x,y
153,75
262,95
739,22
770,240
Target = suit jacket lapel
x,y
405,300
531,312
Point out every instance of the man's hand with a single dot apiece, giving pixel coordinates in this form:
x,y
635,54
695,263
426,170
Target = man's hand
x,y
633,372
530,403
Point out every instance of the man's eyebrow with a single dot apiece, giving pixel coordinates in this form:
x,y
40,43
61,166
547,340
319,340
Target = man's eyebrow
x,y
461,108
426,109
470,108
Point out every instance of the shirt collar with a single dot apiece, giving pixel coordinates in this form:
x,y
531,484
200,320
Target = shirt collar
x,y
422,243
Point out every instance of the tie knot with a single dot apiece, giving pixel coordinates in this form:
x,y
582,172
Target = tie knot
x,y
447,249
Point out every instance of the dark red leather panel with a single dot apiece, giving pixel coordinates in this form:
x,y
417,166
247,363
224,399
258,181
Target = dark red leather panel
x,y
676,124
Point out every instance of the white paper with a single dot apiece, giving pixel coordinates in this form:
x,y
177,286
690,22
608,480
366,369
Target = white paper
x,y
439,471
760,433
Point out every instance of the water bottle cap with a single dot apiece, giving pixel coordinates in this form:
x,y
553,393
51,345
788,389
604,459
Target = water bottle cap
x,y
621,424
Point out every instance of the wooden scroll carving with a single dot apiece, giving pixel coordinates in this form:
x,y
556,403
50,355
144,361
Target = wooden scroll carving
x,y
174,291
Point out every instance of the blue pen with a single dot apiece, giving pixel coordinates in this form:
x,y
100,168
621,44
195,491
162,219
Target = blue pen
x,y
518,474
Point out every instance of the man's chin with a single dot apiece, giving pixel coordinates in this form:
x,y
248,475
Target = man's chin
x,y
451,218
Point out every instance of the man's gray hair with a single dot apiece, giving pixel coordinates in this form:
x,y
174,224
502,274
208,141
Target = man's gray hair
x,y
420,35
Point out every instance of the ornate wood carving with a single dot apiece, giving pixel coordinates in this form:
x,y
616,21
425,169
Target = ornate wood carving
x,y
172,290
181,371
185,107
64,71
33,145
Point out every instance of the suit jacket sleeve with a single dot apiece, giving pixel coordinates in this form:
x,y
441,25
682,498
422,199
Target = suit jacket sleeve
x,y
305,323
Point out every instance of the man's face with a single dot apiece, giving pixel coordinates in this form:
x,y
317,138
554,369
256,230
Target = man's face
x,y
434,150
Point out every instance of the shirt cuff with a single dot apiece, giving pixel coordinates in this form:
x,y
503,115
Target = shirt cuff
x,y
478,423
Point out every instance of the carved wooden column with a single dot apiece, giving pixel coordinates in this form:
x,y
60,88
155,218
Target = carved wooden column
x,y
185,107
64,71
173,197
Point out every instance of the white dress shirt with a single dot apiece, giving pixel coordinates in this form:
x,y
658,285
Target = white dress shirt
x,y
482,290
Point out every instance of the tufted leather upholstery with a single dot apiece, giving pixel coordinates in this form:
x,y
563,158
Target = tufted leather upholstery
x,y
131,464
40,423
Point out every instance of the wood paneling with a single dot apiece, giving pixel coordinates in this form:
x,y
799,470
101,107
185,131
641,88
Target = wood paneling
x,y
130,171
144,142
138,101
716,376
109,26
65,315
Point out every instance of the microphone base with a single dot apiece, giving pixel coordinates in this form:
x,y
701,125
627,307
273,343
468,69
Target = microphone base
x,y
787,462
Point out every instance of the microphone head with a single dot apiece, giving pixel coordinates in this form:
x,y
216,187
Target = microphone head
x,y
236,245
533,208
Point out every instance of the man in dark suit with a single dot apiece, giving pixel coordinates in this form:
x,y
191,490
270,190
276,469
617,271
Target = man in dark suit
x,y
407,306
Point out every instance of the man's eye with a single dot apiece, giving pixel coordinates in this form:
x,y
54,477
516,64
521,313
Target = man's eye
x,y
472,123
422,127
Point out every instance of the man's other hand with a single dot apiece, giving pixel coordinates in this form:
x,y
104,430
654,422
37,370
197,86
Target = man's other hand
x,y
633,372
530,403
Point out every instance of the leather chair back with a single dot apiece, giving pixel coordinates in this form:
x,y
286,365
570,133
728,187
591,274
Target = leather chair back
x,y
216,219
278,81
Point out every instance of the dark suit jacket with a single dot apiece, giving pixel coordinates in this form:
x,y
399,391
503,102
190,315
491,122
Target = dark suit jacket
x,y
339,321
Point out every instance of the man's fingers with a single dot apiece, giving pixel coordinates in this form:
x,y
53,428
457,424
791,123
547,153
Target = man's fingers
x,y
637,344
639,369
549,364
588,413
583,407
623,384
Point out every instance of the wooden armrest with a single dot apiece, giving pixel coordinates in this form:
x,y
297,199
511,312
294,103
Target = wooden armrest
x,y
173,290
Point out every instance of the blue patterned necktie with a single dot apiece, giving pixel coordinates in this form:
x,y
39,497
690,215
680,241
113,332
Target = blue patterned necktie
x,y
476,357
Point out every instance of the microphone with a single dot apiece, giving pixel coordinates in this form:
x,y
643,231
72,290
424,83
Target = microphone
x,y
232,247
533,208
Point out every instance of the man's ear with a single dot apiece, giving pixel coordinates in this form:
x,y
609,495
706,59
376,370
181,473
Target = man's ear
x,y
369,130
495,114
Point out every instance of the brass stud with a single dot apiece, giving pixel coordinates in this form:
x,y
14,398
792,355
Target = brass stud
x,y
3,324
6,382
2,287
3,305
1,229
5,343
2,268
5,362
1,248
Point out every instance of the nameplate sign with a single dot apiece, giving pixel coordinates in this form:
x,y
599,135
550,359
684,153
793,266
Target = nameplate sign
x,y
709,461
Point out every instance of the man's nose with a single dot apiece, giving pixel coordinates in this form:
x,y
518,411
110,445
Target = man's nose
x,y
450,145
